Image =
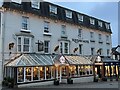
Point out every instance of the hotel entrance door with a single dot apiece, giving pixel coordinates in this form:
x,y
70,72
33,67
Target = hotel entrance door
x,y
98,70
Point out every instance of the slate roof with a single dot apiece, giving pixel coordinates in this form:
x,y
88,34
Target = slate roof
x,y
44,12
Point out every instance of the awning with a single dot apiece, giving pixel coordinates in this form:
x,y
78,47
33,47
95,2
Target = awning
x,y
31,60
110,61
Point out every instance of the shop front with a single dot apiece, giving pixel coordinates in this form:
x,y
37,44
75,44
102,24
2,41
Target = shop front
x,y
73,66
31,68
107,67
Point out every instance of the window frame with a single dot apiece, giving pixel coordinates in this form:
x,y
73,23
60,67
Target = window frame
x,y
53,9
107,26
35,4
46,27
22,44
80,17
63,31
79,33
100,24
25,23
91,35
68,14
46,47
92,21
63,47
80,49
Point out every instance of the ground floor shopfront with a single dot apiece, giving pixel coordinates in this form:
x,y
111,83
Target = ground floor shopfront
x,y
107,68
30,68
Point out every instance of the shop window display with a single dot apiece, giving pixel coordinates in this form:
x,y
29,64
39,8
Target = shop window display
x,y
28,74
20,74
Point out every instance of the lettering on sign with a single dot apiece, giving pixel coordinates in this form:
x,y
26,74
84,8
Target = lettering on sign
x,y
77,41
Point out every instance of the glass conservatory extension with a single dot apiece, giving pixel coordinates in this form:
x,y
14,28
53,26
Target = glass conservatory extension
x,y
38,67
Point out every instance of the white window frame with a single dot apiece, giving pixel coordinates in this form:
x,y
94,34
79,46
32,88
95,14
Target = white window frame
x,y
53,9
22,44
68,13
62,47
91,35
81,50
92,50
48,47
46,27
100,37
16,1
107,38
25,24
107,26
80,17
63,30
35,4
79,33
92,21
108,52
100,23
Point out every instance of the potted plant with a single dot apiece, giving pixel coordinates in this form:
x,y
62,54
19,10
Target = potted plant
x,y
8,82
69,80
104,79
56,82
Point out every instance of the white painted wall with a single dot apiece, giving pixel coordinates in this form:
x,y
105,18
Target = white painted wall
x,y
13,26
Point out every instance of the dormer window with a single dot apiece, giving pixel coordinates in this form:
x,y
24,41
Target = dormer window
x,y
35,4
16,1
80,17
92,21
99,23
68,14
107,26
53,9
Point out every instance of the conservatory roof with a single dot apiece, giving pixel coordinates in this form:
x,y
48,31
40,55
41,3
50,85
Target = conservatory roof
x,y
26,60
78,60
31,60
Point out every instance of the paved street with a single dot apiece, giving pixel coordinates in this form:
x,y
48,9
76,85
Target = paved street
x,y
108,84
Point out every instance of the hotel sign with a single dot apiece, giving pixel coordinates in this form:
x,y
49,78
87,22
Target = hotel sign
x,y
62,59
77,41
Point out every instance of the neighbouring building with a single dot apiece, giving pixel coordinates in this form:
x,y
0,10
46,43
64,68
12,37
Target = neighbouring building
x,y
41,41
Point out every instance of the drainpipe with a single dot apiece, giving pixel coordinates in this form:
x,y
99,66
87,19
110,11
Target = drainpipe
x,y
2,40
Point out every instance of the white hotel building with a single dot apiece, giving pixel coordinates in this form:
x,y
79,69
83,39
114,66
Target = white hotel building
x,y
42,30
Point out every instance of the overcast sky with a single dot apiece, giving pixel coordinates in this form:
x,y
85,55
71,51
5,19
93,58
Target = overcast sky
x,y
107,11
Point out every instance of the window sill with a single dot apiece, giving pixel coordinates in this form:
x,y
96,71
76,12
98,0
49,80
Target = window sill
x,y
92,40
24,30
47,34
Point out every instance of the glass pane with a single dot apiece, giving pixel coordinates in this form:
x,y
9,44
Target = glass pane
x,y
19,47
42,73
28,74
35,73
26,48
20,74
48,73
19,40
26,40
66,47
